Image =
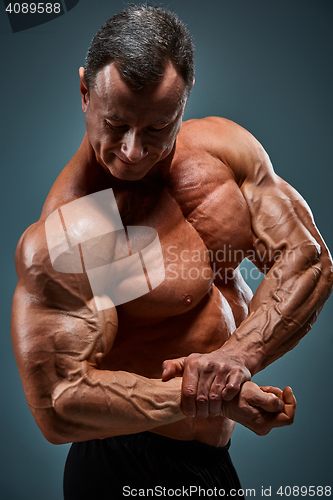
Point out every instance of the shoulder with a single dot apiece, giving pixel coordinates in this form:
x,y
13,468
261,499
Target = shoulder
x,y
39,282
230,143
200,178
31,251
205,131
55,255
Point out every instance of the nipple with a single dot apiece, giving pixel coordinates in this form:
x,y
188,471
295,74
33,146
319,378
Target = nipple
x,y
188,299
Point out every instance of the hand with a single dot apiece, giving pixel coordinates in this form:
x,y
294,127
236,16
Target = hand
x,y
261,409
207,380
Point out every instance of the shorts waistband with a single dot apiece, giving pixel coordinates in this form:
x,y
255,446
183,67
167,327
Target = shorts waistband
x,y
175,446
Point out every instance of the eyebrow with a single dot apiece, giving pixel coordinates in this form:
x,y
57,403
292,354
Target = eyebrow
x,y
162,121
114,118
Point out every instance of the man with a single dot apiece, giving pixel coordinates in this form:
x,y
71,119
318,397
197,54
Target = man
x,y
176,361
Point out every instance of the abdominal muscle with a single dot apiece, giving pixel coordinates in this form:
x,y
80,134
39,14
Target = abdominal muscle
x,y
142,350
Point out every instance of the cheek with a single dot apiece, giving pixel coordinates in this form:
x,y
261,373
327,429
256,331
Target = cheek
x,y
170,140
91,127
167,147
174,132
99,137
167,142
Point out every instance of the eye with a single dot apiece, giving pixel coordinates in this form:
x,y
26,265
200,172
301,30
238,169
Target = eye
x,y
159,128
115,128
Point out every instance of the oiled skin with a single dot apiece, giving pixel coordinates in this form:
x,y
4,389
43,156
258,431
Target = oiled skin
x,y
220,189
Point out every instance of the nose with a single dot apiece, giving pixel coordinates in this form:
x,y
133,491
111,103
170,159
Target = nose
x,y
132,146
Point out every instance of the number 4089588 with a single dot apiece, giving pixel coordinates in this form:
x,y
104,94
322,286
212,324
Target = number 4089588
x,y
304,491
34,8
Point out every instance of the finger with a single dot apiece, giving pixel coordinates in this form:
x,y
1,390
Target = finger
x,y
275,390
281,419
288,396
286,417
265,400
189,390
272,403
203,392
233,384
172,368
215,396
289,403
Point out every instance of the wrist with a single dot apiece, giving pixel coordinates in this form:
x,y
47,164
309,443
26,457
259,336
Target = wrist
x,y
170,391
245,351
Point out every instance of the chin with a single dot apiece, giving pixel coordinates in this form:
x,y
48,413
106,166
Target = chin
x,y
127,176
129,173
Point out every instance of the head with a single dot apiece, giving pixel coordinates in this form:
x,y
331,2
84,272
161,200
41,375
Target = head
x,y
138,75
142,40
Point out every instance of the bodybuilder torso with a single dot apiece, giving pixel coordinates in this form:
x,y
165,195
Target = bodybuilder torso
x,y
204,227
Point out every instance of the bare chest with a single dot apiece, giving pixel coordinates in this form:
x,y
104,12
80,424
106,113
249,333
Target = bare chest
x,y
186,312
203,226
185,280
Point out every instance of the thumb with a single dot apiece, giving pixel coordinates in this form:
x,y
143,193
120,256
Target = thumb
x,y
172,368
289,401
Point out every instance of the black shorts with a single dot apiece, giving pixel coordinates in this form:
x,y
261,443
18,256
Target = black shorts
x,y
111,468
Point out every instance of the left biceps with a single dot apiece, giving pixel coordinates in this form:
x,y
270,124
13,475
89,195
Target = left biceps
x,y
281,221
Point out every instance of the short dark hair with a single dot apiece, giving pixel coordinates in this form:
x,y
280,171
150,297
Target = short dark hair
x,y
141,40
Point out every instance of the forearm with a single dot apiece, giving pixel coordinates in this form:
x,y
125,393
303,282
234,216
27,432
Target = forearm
x,y
102,403
299,280
284,307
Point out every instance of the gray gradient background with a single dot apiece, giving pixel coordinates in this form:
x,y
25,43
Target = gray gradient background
x,y
264,64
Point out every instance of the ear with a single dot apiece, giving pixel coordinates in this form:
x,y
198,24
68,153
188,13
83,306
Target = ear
x,y
83,90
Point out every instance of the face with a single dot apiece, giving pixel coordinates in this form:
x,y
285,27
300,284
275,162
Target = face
x,y
131,130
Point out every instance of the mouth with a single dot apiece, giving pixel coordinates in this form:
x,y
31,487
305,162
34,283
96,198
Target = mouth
x,y
130,163
126,170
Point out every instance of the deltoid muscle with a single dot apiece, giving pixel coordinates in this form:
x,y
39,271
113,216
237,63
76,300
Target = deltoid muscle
x,y
87,235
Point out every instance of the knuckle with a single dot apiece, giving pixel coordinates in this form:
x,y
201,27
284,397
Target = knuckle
x,y
225,368
202,400
273,401
233,386
214,396
236,368
217,389
189,392
193,357
193,360
209,367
